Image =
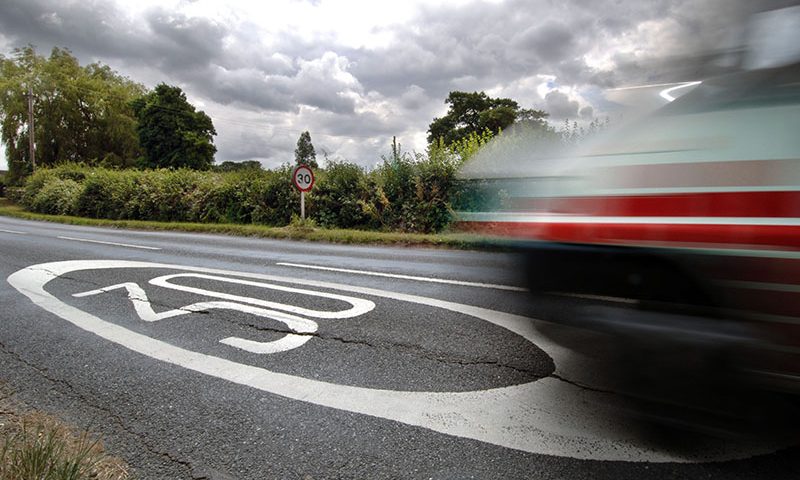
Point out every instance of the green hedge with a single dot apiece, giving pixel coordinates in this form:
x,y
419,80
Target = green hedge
x,y
57,197
405,193
342,197
252,196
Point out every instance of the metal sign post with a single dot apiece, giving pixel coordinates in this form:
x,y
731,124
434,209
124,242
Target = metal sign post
x,y
303,179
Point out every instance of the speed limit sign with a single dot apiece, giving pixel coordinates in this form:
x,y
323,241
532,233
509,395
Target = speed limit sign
x,y
303,178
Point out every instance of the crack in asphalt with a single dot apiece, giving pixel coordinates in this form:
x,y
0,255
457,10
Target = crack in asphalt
x,y
65,276
115,418
583,386
416,350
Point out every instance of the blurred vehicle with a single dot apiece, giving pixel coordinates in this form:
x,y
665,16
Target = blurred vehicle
x,y
685,227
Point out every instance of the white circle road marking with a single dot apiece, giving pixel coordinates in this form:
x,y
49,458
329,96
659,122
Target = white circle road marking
x,y
359,306
144,309
547,416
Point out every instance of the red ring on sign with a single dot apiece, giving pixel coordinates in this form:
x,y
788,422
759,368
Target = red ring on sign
x,y
303,170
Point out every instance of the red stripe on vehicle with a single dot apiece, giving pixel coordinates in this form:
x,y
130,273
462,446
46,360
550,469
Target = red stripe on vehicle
x,y
651,234
704,204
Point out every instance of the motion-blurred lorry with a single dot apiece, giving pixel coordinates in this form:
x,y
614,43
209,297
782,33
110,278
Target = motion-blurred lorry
x,y
684,228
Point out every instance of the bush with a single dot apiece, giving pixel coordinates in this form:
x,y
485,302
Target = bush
x,y
413,194
221,198
395,188
274,198
107,194
57,197
15,194
164,195
34,184
437,185
340,197
71,171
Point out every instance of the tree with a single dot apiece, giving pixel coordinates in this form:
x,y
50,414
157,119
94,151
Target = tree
x,y
172,133
472,113
531,118
305,154
82,114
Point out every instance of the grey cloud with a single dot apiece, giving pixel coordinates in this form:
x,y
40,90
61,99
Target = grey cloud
x,y
331,101
181,41
552,41
246,88
362,125
442,44
614,24
559,106
414,97
249,145
325,83
94,28
490,43
478,46
691,43
97,29
317,83
296,46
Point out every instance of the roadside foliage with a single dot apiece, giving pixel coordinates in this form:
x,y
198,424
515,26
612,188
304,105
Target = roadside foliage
x,y
82,113
411,193
406,192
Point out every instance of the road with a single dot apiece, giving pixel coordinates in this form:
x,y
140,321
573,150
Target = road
x,y
204,356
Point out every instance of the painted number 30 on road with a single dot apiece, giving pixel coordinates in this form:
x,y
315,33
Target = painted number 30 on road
x,y
303,178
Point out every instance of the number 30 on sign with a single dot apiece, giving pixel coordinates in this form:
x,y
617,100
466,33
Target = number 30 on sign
x,y
303,178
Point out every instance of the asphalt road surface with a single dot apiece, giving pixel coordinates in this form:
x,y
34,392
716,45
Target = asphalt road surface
x,y
204,356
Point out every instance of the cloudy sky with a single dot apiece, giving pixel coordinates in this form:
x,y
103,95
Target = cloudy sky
x,y
355,73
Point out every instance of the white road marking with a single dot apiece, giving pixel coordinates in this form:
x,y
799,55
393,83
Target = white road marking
x,y
358,307
405,277
144,308
143,247
13,231
139,299
547,416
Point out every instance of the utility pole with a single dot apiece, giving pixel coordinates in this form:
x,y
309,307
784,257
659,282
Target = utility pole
x,y
30,128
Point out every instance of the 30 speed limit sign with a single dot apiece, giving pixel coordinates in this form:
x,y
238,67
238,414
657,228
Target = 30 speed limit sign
x,y
303,178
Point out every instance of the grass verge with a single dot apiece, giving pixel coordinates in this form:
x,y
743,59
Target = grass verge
x,y
35,445
297,231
